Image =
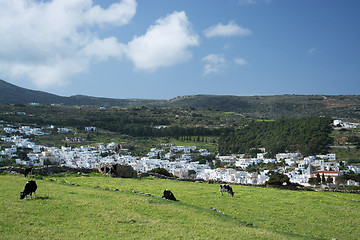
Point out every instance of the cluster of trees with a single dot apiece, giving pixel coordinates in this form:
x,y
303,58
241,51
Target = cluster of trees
x,y
321,180
308,136
197,139
278,179
348,176
138,130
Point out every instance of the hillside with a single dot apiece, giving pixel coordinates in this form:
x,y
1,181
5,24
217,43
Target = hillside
x,y
261,107
69,207
276,106
10,93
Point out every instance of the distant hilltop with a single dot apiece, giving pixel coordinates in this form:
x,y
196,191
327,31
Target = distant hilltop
x,y
260,107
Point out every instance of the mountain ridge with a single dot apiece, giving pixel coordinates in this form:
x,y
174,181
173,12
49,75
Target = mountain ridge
x,y
261,107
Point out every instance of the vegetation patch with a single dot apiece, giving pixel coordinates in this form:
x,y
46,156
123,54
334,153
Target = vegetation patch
x,y
309,136
66,211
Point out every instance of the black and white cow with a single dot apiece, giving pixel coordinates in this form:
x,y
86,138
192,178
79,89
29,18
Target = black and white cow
x,y
169,195
226,188
30,187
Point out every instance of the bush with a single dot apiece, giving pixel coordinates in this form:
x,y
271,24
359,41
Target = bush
x,y
161,171
352,188
278,179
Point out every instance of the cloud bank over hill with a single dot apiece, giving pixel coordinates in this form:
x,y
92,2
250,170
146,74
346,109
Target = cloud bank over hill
x,y
49,42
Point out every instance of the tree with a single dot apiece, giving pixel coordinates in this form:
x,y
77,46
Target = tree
x,y
318,179
329,180
218,164
278,179
323,180
312,181
161,171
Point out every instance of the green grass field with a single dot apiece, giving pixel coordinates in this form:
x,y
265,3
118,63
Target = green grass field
x,y
82,211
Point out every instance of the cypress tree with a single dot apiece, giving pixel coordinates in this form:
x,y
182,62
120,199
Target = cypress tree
x,y
318,179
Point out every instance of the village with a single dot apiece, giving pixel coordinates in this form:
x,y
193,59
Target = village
x,y
177,161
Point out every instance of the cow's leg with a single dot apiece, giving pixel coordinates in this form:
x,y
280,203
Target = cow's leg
x,y
34,195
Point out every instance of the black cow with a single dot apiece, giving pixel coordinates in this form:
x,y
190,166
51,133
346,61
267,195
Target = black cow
x,y
30,187
27,172
169,195
226,188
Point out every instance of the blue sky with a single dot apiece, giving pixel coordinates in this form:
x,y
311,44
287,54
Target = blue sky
x,y
160,49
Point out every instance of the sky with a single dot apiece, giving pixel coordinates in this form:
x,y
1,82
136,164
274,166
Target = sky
x,y
161,49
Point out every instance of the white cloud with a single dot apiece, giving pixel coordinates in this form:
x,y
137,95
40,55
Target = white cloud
x,y
312,51
118,13
48,42
214,63
240,61
253,2
227,46
246,2
50,74
228,30
102,49
164,44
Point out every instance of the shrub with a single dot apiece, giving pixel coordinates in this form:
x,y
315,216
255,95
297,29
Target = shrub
x,y
352,188
161,171
278,179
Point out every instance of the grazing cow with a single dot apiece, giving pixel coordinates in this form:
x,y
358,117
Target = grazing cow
x,y
30,187
27,172
226,188
169,195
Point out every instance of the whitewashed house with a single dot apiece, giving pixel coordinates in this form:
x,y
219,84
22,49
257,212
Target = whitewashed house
x,y
63,130
292,156
352,183
243,163
355,169
227,160
90,129
204,152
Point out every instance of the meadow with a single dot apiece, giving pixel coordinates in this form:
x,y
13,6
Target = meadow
x,y
79,207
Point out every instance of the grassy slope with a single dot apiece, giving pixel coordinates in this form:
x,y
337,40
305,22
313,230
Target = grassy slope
x,y
64,211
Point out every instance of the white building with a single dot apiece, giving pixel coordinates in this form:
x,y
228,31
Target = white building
x,y
228,160
352,183
291,156
243,163
90,129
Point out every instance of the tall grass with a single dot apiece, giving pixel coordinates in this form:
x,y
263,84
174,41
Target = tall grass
x,y
81,211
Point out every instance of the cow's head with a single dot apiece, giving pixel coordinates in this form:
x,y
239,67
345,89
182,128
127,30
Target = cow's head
x,y
22,195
